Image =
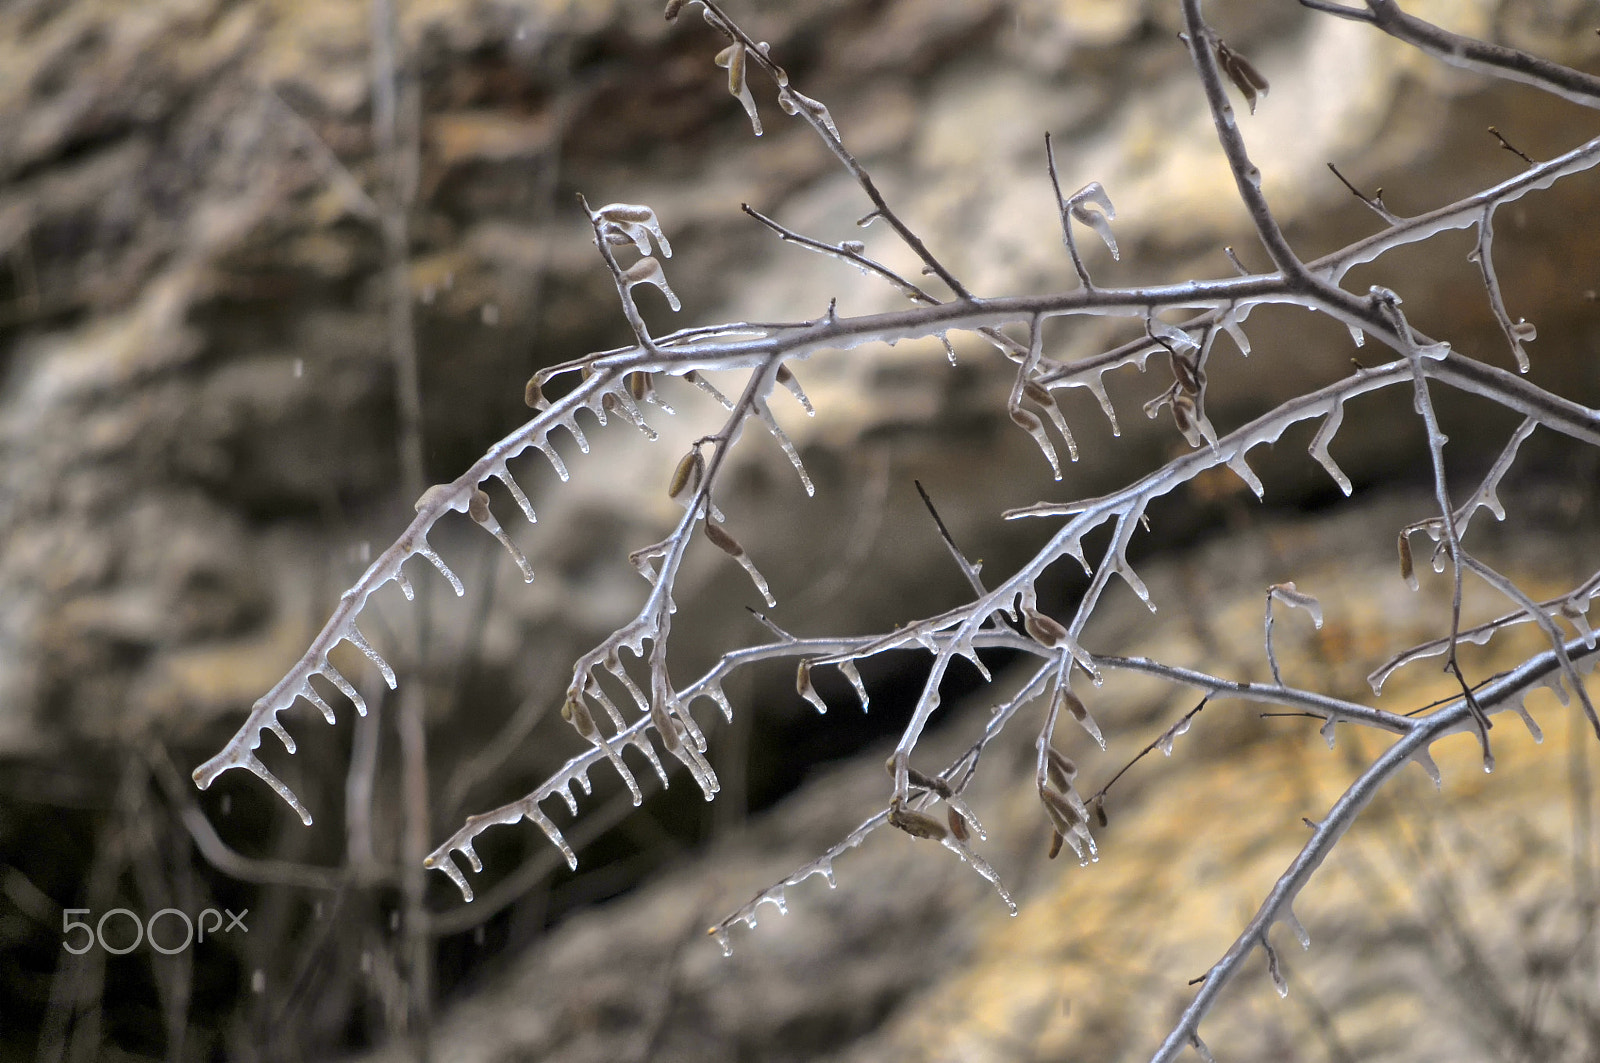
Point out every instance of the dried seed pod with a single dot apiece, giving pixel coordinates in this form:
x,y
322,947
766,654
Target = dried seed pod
x,y
917,824
723,541
1056,838
1043,629
958,826
533,395
638,385
673,7
577,714
478,508
688,473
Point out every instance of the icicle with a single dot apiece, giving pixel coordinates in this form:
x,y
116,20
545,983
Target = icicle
x,y
1171,734
1326,730
1238,465
1424,759
448,866
310,694
732,59
730,546
787,379
1289,595
1230,325
571,425
1319,448
1097,387
353,636
1200,1049
788,449
503,474
802,684
1094,194
283,736
1132,579
1359,337
643,745
1029,422
1279,982
981,866
1292,921
1533,726
709,388
405,586
648,271
554,458
345,687
848,668
629,222
253,763
716,694
444,570
570,799
533,813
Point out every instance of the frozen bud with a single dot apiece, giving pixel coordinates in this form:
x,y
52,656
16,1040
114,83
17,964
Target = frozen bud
x,y
478,508
433,496
1026,420
665,726
958,826
688,473
917,824
1060,770
1407,571
1065,818
1043,629
804,687
1072,703
1056,838
673,7
724,542
931,783
638,385
577,714
533,395
852,247
1245,77
1038,393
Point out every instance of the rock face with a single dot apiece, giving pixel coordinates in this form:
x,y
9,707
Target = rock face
x,y
198,413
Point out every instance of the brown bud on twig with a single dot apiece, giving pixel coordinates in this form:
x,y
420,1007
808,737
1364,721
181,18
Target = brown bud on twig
x,y
1407,571
688,473
673,7
533,395
958,826
1062,814
1026,420
638,385
1059,769
931,783
478,508
724,542
1072,703
916,824
1056,838
577,714
1245,77
1043,629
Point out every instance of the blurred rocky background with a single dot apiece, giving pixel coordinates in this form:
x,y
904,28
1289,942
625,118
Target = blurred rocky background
x,y
198,419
